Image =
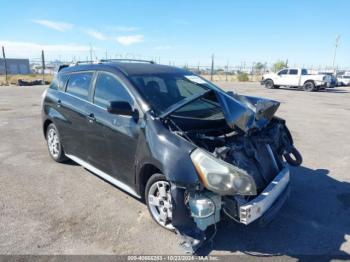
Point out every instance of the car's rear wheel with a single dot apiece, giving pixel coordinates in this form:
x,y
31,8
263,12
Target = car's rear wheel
x,y
269,84
54,144
309,86
158,200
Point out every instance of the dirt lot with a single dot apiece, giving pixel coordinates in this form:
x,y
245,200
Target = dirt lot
x,y
50,208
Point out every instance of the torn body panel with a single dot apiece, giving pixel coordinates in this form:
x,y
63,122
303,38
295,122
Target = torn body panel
x,y
261,153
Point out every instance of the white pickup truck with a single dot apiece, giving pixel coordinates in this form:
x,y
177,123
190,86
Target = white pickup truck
x,y
296,78
344,80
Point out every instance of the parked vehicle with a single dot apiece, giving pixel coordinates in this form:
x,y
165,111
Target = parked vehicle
x,y
191,151
344,80
296,78
332,77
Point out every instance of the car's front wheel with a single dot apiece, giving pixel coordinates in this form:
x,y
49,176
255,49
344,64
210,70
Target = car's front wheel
x,y
158,200
54,144
269,84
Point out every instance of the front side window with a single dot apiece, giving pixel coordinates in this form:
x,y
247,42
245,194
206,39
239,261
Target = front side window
x,y
283,72
108,89
304,72
293,71
79,84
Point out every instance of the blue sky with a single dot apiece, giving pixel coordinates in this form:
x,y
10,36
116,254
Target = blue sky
x,y
179,31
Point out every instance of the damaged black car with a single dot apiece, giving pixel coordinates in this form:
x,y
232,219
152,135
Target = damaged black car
x,y
193,152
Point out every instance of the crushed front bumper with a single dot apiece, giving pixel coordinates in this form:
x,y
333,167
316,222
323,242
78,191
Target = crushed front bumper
x,y
257,207
204,209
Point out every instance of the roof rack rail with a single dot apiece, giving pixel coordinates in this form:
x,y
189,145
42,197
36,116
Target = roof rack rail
x,y
127,60
107,61
84,62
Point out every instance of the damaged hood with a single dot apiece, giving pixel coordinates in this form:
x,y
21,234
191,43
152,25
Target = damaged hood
x,y
246,112
243,112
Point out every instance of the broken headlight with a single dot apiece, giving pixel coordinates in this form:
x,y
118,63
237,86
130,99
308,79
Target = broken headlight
x,y
220,177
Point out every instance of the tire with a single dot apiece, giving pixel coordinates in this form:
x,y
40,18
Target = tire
x,y
294,157
309,86
269,84
54,144
159,201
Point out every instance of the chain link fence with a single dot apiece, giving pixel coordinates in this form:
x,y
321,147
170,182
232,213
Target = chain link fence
x,y
45,70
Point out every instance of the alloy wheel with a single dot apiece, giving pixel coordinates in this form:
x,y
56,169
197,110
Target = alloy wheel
x,y
53,143
159,202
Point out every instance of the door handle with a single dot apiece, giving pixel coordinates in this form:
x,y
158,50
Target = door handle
x,y
91,118
59,103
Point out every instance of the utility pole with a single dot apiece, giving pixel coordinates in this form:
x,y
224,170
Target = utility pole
x,y
43,65
226,70
212,67
5,63
335,50
90,53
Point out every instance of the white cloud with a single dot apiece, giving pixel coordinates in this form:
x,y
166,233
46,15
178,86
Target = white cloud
x,y
130,39
30,50
163,47
95,34
59,26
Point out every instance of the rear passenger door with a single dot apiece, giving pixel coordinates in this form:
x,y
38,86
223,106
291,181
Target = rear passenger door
x,y
73,107
112,139
293,77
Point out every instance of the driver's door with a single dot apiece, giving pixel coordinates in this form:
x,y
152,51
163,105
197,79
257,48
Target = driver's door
x,y
111,139
281,78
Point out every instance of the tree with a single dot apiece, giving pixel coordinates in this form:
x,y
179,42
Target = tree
x,y
279,65
258,67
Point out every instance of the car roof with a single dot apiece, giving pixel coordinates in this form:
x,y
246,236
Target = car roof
x,y
128,68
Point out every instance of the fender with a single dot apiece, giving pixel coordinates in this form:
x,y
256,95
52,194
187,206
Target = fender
x,y
166,151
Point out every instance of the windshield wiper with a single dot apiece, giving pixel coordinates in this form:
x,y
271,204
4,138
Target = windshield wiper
x,y
182,103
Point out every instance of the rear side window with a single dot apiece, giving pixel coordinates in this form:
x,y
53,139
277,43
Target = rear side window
x,y
108,89
54,83
79,84
62,81
304,72
293,71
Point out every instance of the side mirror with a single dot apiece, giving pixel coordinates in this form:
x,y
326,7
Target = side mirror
x,y
121,108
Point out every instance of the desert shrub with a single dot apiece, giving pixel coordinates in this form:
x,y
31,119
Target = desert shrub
x,y
242,77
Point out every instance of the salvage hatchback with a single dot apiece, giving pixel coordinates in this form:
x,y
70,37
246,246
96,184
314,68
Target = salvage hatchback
x,y
191,151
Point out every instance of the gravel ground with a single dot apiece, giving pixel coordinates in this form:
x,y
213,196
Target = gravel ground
x,y
50,208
